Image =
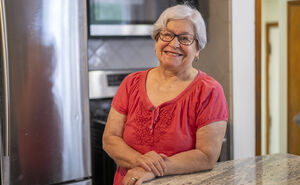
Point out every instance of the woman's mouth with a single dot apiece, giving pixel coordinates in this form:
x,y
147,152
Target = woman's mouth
x,y
174,54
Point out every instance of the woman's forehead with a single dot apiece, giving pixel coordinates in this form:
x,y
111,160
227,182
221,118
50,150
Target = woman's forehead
x,y
179,26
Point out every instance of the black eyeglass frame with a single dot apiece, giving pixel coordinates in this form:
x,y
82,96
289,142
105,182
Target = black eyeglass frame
x,y
175,35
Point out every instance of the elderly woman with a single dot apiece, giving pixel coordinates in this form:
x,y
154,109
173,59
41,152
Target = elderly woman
x,y
170,119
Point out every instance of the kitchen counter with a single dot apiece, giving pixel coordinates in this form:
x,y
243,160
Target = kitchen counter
x,y
267,170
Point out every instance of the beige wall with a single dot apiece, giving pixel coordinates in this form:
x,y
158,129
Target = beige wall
x,y
270,14
215,58
283,73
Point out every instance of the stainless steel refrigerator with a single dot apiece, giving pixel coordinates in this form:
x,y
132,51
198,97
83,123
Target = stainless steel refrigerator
x,y
45,129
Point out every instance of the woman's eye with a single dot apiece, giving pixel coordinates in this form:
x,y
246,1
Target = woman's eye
x,y
169,35
185,38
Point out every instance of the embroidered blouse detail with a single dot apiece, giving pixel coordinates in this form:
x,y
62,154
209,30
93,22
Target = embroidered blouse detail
x,y
152,123
143,129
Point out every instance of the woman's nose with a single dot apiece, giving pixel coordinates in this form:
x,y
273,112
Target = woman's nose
x,y
175,42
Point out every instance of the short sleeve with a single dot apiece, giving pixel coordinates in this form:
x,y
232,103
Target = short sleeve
x,y
120,100
213,107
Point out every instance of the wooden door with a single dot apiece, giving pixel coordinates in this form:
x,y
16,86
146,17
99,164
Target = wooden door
x,y
293,76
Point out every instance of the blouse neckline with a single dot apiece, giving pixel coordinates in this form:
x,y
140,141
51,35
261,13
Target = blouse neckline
x,y
181,94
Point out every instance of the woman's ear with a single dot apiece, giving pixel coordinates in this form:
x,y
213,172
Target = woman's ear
x,y
197,52
197,56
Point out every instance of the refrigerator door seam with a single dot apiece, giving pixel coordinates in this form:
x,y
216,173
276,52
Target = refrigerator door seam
x,y
6,77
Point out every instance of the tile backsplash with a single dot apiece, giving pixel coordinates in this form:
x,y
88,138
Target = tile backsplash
x,y
122,53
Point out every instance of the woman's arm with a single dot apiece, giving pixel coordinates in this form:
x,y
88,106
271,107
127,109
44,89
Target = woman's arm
x,y
124,155
207,150
114,145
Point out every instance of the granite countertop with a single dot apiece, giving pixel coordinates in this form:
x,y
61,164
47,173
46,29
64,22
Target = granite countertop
x,y
267,170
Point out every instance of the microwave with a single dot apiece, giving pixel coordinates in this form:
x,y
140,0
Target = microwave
x,y
126,17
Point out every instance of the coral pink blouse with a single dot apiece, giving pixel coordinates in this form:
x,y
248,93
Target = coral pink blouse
x,y
169,128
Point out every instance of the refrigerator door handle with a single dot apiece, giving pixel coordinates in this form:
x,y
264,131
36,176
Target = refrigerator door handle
x,y
5,78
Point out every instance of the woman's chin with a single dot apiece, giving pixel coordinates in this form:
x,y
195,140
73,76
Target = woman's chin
x,y
171,64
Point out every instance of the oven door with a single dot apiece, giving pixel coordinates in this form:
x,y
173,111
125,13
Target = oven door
x,y
103,167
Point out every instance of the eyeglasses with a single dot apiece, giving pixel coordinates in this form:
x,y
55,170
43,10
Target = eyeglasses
x,y
184,39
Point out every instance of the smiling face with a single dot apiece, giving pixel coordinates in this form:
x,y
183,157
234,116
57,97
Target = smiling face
x,y
173,55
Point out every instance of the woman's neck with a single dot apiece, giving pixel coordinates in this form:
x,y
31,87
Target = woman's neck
x,y
176,75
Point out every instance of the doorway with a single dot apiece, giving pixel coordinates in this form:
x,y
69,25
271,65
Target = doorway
x,y
286,136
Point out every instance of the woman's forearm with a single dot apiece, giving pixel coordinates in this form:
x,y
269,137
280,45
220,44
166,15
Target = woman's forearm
x,y
181,163
189,162
205,155
120,152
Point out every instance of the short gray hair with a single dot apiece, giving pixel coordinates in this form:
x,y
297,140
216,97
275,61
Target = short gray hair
x,y
182,12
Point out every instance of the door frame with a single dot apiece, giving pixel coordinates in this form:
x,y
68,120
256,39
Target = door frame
x,y
258,77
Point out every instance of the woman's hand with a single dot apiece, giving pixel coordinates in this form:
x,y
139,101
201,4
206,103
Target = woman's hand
x,y
153,162
136,176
